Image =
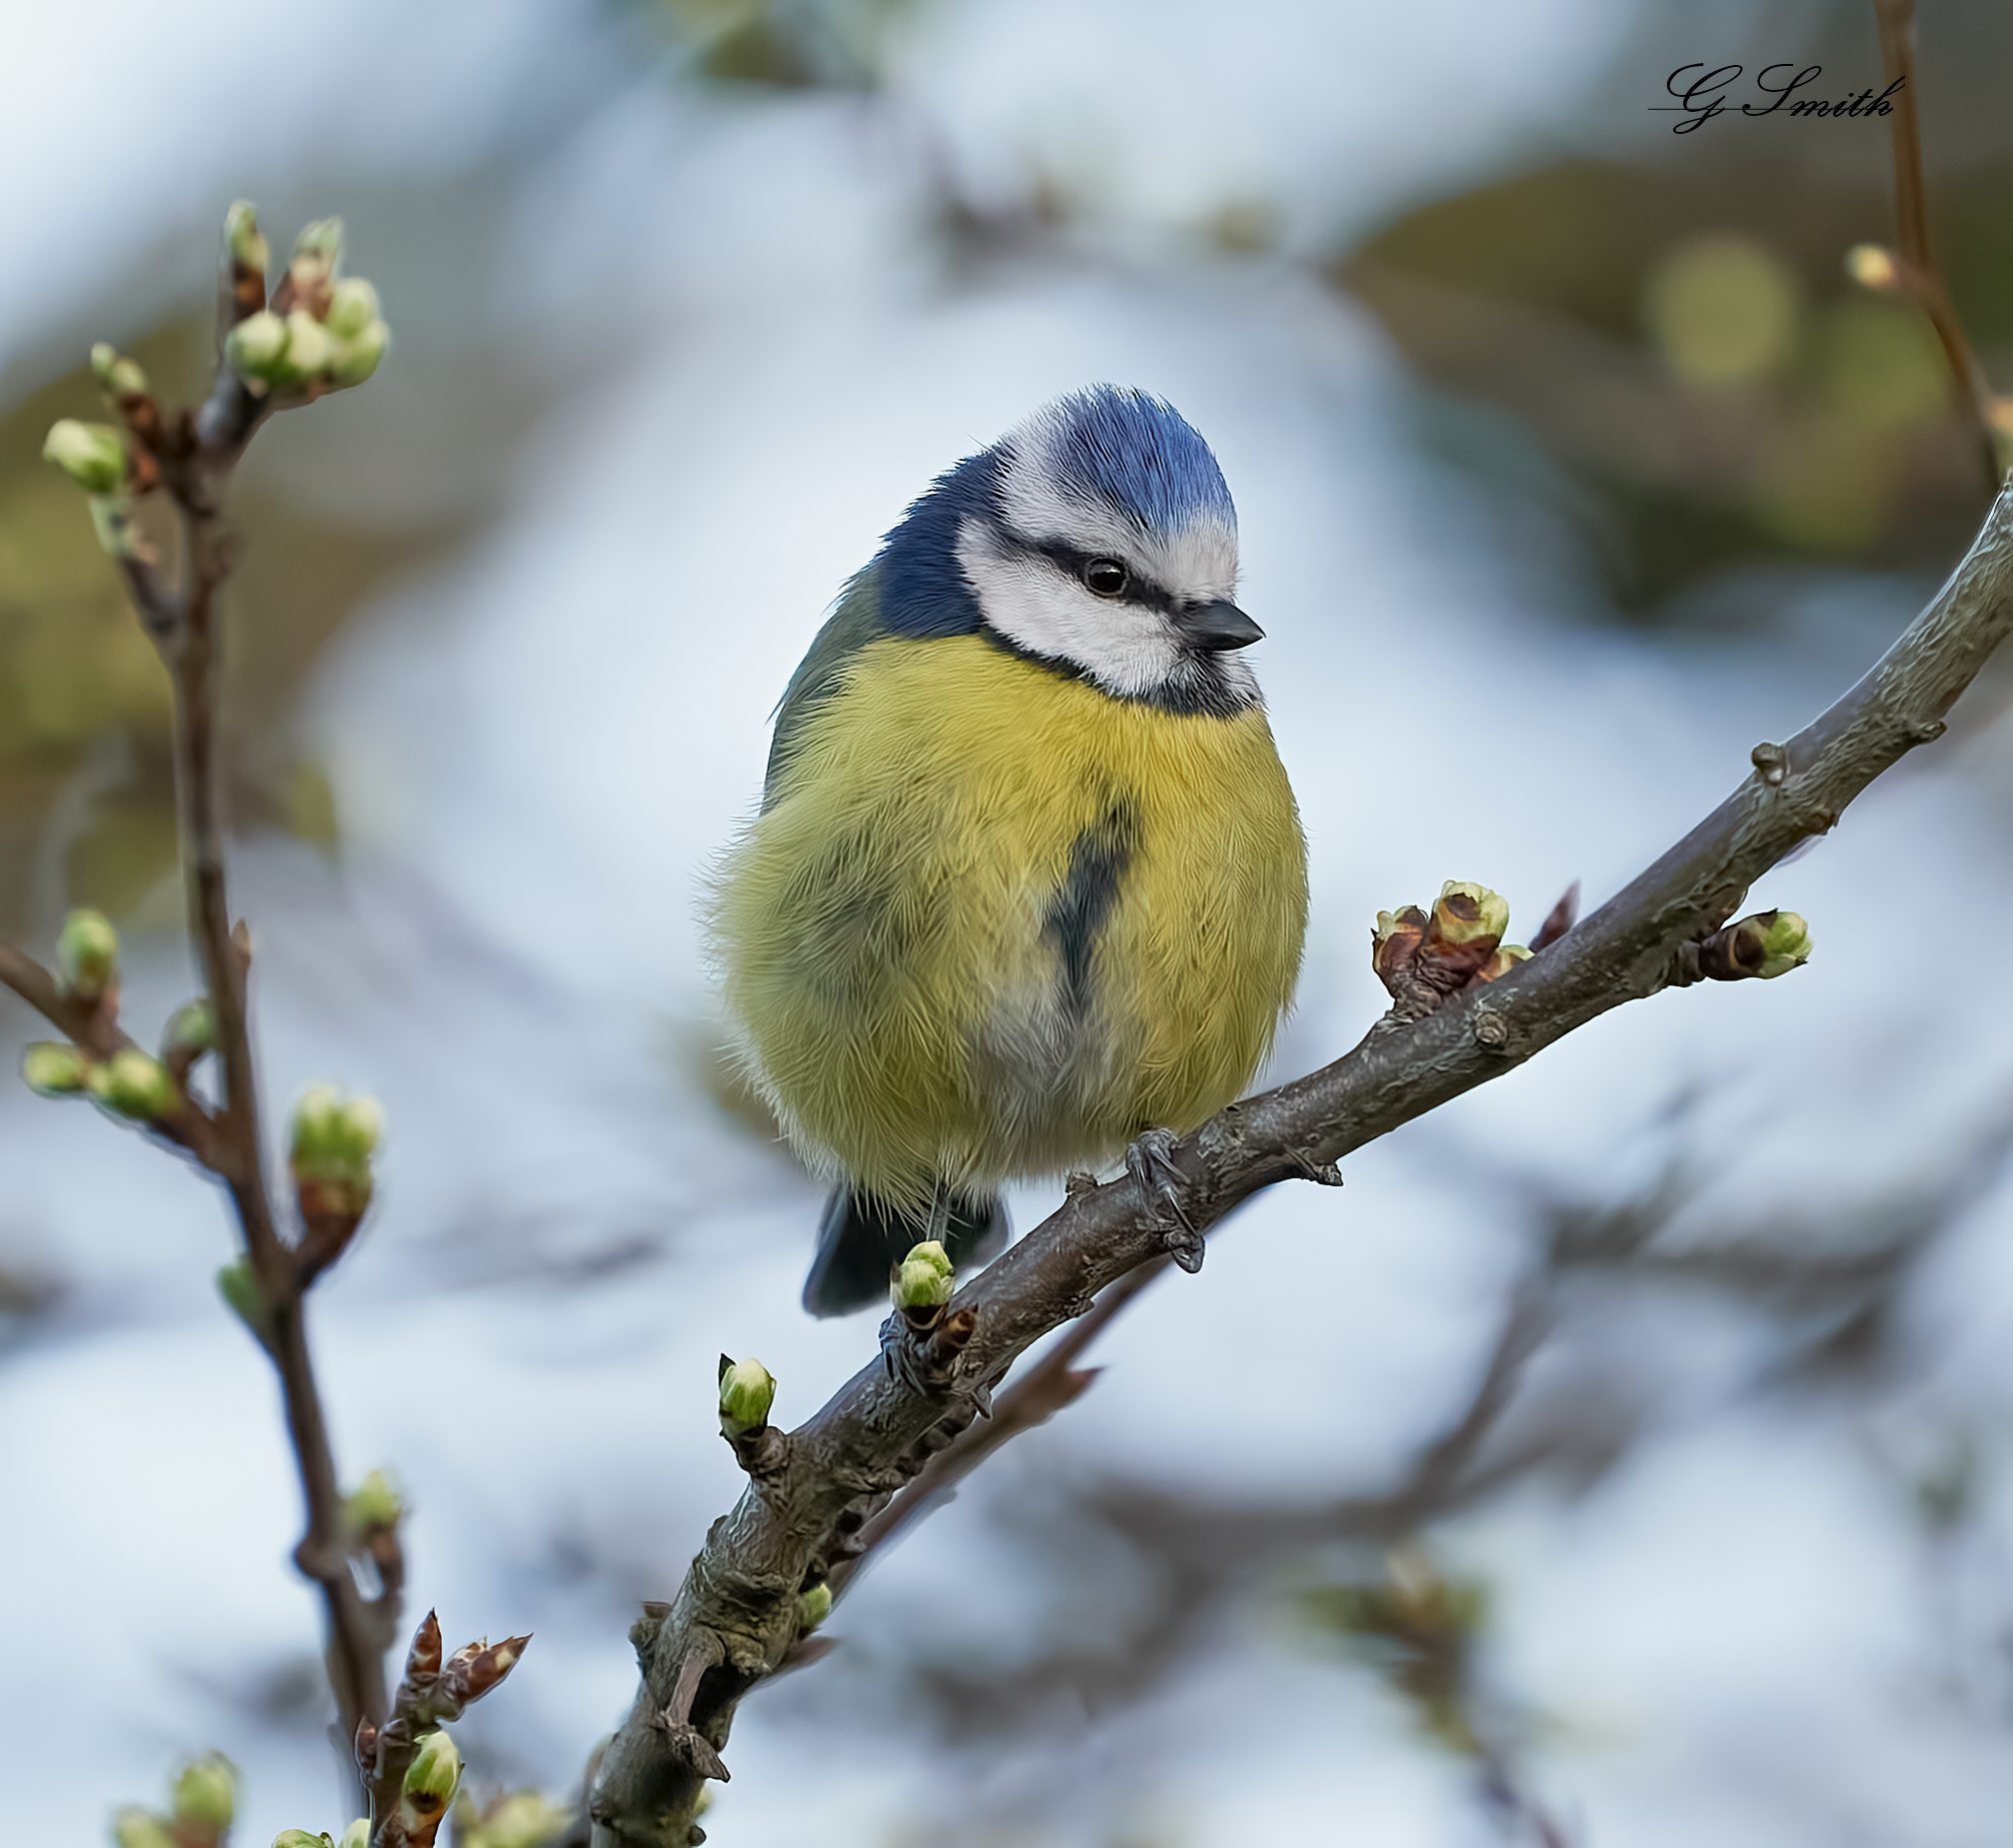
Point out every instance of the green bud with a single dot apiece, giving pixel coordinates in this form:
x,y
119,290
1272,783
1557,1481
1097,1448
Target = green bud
x,y
256,349
242,1296
925,1279
301,1838
363,1126
435,1773
334,1136
138,1828
191,1032
357,1835
205,1793
87,954
52,1069
311,348
91,455
352,306
320,243
523,1819
242,237
815,1606
117,376
747,1392
373,1504
361,355
1785,942
1487,913
135,1085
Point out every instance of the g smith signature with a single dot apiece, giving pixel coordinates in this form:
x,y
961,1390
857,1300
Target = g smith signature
x,y
1702,97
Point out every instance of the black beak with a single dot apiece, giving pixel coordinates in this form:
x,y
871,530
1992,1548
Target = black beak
x,y
1216,627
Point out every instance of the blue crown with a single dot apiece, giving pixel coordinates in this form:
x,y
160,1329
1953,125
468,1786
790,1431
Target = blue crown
x,y
1136,455
1106,446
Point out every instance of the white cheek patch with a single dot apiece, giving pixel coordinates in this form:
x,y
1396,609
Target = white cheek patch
x,y
1126,647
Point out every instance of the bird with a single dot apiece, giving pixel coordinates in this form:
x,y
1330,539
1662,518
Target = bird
x,y
1027,889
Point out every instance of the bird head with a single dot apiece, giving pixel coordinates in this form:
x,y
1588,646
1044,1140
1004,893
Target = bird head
x,y
1098,536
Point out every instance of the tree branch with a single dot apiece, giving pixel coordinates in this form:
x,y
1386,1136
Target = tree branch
x,y
741,1590
190,457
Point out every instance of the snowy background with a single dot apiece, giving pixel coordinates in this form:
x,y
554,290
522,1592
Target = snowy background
x,y
689,300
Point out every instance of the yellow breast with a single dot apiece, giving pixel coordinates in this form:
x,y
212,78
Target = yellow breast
x,y
994,923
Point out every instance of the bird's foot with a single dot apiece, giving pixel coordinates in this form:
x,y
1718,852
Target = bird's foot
x,y
1150,1163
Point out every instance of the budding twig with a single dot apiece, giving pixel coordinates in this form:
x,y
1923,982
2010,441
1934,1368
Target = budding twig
x,y
410,1767
190,457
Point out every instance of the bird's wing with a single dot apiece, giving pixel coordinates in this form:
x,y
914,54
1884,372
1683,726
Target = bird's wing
x,y
855,620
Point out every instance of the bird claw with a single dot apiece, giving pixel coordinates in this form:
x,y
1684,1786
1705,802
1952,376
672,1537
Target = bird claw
x,y
1150,1163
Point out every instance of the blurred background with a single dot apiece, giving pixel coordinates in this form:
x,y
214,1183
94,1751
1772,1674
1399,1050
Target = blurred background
x,y
1621,1454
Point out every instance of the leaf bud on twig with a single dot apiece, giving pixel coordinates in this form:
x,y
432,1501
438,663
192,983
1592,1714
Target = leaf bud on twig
x,y
1465,913
522,1819
206,1795
87,954
52,1069
139,1828
191,1032
747,1396
117,376
242,237
434,1777
352,306
91,455
358,356
242,1296
373,1504
256,349
813,1605
136,1086
924,1281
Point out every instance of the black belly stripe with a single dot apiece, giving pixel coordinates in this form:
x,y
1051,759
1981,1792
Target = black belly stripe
x,y
1097,861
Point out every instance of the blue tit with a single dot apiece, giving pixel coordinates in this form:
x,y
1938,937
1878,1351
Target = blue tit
x,y
1028,880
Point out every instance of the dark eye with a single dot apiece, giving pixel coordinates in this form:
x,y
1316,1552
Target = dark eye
x,y
1106,577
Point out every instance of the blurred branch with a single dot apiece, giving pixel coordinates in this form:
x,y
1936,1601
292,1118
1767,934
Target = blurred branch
x,y
736,1609
187,457
1919,274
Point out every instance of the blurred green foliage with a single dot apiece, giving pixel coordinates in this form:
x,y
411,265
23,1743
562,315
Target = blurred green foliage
x,y
1683,339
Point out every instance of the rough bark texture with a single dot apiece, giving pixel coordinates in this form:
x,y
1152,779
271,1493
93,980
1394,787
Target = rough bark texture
x,y
735,1619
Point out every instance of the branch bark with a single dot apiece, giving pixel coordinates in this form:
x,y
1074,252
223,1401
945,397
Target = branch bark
x,y
737,1600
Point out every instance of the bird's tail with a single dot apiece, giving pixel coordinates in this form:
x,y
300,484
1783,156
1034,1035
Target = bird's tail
x,y
861,1238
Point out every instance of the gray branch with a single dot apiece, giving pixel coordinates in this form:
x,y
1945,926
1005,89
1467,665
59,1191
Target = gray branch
x,y
736,1615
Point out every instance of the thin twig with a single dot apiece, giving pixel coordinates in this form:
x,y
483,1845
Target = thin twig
x,y
1921,276
192,456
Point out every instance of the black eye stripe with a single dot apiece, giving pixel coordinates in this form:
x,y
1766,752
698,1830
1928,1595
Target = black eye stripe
x,y
1139,590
